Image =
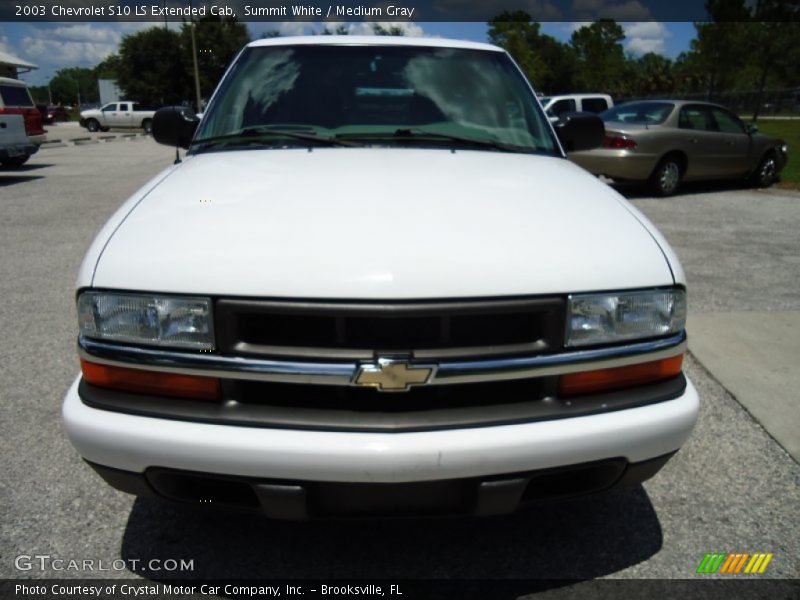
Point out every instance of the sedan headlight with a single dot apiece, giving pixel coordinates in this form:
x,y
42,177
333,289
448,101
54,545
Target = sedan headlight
x,y
155,320
623,316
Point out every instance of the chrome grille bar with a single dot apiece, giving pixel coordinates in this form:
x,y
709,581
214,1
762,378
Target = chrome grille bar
x,y
343,373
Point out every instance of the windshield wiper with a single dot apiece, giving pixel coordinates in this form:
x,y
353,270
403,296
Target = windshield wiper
x,y
258,134
418,133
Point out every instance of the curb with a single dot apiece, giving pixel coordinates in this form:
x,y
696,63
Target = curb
x,y
85,141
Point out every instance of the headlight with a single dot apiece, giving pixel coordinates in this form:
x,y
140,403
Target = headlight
x,y
180,322
624,316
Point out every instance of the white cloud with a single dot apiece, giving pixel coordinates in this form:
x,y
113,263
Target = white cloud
x,y
646,36
85,32
641,37
84,44
66,52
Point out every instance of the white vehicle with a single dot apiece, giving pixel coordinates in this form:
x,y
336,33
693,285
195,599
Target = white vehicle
x,y
401,300
119,115
15,147
556,106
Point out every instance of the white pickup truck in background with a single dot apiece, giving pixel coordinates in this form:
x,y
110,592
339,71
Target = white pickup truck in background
x,y
122,114
15,147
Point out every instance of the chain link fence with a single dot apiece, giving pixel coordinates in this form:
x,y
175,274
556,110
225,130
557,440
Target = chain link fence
x,y
774,102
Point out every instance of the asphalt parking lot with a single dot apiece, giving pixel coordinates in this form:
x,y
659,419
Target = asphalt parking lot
x,y
733,487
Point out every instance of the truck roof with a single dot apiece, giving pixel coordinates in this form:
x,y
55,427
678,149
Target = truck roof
x,y
372,40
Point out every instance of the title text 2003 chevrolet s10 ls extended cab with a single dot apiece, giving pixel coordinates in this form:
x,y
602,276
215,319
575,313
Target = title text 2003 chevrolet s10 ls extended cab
x,y
375,285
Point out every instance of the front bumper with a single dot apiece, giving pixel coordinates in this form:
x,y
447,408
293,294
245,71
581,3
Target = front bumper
x,y
136,443
301,500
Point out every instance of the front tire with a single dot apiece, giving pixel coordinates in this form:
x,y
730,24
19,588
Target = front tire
x,y
666,178
147,125
767,172
92,125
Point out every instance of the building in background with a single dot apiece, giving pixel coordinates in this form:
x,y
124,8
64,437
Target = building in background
x,y
109,91
12,66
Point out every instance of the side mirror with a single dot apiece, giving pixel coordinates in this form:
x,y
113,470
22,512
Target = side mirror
x,y
752,128
580,131
174,126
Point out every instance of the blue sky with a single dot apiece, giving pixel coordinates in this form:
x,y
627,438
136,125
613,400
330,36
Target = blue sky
x,y
56,45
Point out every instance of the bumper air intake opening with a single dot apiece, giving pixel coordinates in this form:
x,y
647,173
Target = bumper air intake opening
x,y
582,479
203,489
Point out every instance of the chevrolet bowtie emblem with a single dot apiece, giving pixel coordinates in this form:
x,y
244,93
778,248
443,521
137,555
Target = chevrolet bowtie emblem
x,y
393,375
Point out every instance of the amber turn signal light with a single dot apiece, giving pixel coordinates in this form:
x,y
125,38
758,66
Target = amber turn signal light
x,y
603,380
156,383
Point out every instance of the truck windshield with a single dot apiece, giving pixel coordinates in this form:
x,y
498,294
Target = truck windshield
x,y
377,95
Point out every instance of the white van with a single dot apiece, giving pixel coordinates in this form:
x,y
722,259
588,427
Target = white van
x,y
555,106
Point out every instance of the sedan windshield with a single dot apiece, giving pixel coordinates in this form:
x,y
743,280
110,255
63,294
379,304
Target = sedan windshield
x,y
376,95
650,113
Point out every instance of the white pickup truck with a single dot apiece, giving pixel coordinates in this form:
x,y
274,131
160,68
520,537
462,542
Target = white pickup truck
x,y
375,285
15,147
122,114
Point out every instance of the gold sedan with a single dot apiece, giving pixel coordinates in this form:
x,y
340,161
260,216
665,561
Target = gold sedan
x,y
666,142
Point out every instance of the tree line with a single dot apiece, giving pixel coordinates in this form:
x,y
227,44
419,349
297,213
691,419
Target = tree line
x,y
739,48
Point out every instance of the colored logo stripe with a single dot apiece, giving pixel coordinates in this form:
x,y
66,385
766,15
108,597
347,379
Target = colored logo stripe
x,y
759,562
733,563
711,562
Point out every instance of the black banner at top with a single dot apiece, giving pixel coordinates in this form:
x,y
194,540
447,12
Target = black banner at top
x,y
387,10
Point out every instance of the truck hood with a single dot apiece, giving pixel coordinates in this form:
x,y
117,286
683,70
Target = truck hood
x,y
379,223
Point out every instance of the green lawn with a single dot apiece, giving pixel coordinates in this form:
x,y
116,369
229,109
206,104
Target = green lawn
x,y
788,130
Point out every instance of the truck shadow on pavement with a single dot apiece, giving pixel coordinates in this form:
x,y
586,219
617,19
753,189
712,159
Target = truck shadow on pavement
x,y
11,178
575,539
634,191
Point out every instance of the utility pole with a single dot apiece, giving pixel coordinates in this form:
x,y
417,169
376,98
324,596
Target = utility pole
x,y
78,87
198,97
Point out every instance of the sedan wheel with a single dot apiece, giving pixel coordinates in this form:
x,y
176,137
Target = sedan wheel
x,y
767,171
666,177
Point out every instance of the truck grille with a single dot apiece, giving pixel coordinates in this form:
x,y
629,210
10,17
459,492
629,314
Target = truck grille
x,y
428,330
